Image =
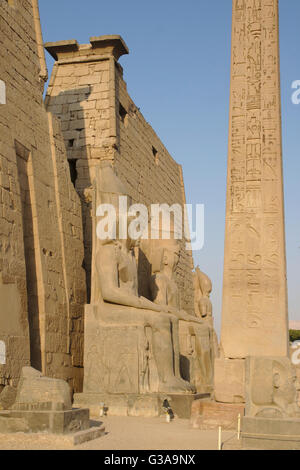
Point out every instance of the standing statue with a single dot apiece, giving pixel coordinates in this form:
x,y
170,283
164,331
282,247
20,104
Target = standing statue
x,y
203,305
131,343
202,288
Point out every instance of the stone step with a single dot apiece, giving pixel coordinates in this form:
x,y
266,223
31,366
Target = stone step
x,y
87,435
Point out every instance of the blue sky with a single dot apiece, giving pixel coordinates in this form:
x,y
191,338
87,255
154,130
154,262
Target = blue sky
x,y
178,74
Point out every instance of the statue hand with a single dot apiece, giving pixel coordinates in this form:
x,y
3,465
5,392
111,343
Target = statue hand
x,y
147,304
170,309
185,316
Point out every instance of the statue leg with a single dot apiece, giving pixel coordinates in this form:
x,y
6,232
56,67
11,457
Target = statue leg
x,y
175,331
166,351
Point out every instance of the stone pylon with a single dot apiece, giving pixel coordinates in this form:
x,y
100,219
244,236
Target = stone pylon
x,y
254,316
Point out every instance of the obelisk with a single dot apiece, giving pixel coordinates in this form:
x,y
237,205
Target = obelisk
x,y
254,314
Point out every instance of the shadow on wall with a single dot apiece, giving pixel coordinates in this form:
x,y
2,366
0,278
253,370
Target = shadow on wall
x,y
24,167
67,107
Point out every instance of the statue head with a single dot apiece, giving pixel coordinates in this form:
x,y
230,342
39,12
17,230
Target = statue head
x,y
163,247
202,290
204,281
165,253
109,185
271,385
110,191
284,383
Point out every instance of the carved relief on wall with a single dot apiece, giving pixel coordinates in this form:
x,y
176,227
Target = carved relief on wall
x,y
100,375
237,245
253,197
239,10
238,96
254,292
253,242
271,289
272,197
238,197
271,243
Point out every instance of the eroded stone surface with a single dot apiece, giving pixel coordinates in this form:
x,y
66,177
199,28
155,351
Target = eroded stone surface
x,y
43,404
271,388
272,415
35,390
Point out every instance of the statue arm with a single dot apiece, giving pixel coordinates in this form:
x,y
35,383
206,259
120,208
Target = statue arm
x,y
183,315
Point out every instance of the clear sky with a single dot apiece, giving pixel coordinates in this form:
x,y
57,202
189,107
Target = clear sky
x,y
178,74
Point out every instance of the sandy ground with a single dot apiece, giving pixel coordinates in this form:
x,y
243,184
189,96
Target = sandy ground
x,y
123,433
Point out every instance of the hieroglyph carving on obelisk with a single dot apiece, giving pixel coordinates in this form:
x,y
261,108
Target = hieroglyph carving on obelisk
x,y
254,318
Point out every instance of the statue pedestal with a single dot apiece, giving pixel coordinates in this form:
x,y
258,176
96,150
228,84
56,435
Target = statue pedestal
x,y
37,420
148,405
120,371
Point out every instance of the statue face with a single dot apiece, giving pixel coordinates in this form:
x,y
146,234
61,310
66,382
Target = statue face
x,y
287,386
170,258
129,242
289,389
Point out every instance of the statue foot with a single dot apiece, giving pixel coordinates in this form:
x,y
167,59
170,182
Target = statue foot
x,y
175,385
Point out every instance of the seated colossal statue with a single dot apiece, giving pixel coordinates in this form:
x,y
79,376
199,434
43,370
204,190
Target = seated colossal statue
x,y
131,343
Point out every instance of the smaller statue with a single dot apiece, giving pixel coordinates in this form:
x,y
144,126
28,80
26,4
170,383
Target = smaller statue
x,y
147,358
202,288
203,305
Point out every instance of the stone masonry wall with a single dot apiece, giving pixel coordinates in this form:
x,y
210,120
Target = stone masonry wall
x,y
100,121
42,284
78,95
